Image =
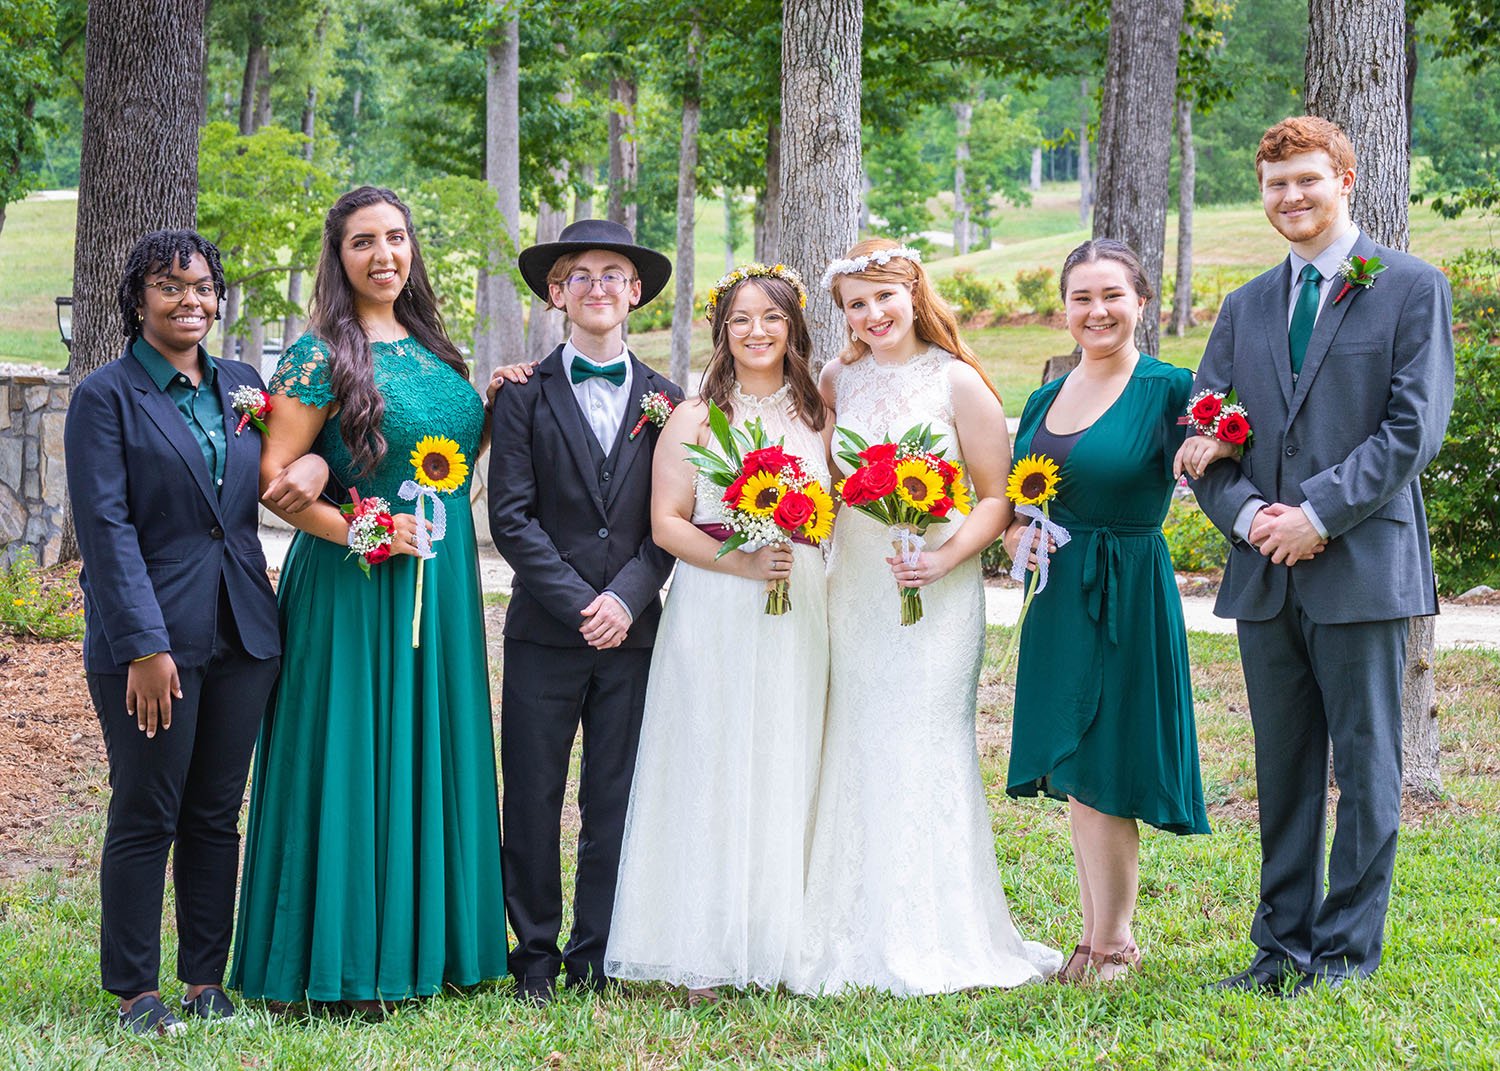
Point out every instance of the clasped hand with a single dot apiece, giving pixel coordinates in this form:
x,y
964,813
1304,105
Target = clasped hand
x,y
1012,541
771,562
1285,535
927,568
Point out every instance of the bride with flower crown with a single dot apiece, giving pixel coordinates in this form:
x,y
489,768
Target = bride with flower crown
x,y
903,892
711,872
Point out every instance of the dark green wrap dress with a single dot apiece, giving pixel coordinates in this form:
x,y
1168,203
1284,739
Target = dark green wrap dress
x,y
1104,702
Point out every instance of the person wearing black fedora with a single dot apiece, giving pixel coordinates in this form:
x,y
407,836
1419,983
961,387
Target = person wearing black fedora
x,y
569,501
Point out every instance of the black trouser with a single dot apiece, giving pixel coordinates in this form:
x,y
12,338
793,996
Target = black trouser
x,y
547,691
180,789
1308,682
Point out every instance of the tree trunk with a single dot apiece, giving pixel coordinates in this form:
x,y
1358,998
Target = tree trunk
x,y
1370,38
1036,169
963,113
208,6
583,204
624,161
249,86
544,325
1372,109
821,177
1409,84
1135,139
683,310
1085,180
1187,166
768,207
138,165
291,327
728,229
499,336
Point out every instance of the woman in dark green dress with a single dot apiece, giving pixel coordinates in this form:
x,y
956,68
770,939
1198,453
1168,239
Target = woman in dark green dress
x,y
1104,705
372,862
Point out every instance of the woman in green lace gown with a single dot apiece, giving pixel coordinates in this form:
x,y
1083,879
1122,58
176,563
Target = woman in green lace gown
x,y
372,861
1104,703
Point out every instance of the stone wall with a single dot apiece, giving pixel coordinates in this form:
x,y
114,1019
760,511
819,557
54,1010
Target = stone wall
x,y
33,480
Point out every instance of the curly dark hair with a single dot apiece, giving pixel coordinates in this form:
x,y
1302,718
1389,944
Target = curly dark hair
x,y
161,251
332,318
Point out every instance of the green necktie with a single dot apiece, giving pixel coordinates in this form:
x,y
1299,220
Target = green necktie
x,y
1304,316
583,369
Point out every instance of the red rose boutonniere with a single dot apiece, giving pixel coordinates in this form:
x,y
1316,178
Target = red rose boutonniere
x,y
655,408
1358,271
253,405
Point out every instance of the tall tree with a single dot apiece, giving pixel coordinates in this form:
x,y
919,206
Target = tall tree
x,y
963,114
820,150
499,333
683,306
28,69
624,162
1085,177
1135,139
291,325
1370,38
1182,291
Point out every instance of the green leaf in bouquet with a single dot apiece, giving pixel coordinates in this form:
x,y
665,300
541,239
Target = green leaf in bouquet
x,y
734,542
710,464
718,423
852,437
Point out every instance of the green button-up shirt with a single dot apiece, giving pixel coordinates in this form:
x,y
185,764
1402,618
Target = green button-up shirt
x,y
199,406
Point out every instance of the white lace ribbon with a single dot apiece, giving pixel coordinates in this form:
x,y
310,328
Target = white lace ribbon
x,y
412,491
1040,529
908,543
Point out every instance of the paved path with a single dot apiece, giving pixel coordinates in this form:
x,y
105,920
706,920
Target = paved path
x,y
1457,626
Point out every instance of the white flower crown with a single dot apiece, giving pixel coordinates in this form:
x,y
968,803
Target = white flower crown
x,y
855,265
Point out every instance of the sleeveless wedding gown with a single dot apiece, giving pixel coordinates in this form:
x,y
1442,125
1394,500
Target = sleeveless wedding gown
x,y
903,891
711,873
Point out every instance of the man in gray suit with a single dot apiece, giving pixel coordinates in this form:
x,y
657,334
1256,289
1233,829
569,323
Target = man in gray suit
x,y
1345,366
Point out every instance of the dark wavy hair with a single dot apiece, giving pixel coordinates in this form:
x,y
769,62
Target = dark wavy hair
x,y
161,251
332,318
718,377
1107,249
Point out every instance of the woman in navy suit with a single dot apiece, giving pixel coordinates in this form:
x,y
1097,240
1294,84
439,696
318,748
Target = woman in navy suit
x,y
180,640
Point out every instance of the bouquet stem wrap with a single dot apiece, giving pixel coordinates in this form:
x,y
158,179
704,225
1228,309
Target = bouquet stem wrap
x,y
413,492
908,544
1038,532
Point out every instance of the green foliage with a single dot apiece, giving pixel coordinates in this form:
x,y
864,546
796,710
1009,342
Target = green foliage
x,y
657,316
38,603
459,224
1195,544
970,295
902,177
1461,487
262,203
28,70
1456,125
1474,276
1037,289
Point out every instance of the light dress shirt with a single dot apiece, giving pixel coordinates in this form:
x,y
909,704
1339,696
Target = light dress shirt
x,y
1327,263
603,406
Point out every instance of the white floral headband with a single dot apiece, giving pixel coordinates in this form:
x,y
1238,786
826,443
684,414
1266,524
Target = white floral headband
x,y
880,258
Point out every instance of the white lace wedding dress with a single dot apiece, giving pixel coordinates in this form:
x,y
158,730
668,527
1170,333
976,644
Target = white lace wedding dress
x,y
903,891
711,873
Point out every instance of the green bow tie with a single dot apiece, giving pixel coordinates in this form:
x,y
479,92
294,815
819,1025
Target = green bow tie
x,y
583,369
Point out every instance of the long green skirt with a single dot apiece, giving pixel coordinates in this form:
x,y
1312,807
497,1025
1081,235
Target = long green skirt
x,y
372,861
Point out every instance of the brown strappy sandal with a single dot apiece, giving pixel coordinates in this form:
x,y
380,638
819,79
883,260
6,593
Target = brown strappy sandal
x,y
1076,967
1108,966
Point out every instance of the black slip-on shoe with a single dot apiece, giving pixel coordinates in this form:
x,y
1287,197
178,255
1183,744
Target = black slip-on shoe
x,y
149,1017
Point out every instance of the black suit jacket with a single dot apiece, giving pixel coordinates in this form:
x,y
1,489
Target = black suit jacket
x,y
157,542
569,533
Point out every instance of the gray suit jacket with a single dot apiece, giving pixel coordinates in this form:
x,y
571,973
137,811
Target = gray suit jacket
x,y
1351,436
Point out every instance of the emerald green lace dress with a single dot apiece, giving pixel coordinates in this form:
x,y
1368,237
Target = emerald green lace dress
x,y
372,859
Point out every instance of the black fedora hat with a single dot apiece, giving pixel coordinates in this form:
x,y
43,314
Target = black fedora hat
x,y
582,235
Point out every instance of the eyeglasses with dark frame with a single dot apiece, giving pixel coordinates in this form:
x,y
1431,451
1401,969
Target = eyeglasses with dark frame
x,y
613,283
176,291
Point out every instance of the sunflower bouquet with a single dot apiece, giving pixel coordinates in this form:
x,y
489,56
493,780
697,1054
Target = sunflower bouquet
x,y
908,486
768,496
439,466
1032,486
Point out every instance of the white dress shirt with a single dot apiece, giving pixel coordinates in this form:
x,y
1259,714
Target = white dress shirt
x,y
602,403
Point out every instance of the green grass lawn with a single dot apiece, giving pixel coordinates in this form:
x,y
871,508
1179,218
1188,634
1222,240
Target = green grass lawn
x,y
1426,1008
36,265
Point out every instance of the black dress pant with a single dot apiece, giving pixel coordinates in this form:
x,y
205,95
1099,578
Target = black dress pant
x,y
547,692
180,790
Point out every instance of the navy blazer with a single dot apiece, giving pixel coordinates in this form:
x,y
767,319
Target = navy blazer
x,y
568,533
1351,436
157,542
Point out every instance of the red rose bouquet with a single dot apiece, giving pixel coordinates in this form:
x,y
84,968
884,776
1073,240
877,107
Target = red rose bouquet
x,y
371,529
1217,414
906,485
768,496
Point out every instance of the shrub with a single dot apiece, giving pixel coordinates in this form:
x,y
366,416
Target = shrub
x,y
968,294
1038,290
1462,486
656,316
1474,276
1195,544
34,603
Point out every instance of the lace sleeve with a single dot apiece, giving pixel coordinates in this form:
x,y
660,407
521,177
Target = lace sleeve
x,y
302,373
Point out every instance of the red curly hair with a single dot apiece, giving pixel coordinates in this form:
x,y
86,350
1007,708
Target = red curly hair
x,y
1305,133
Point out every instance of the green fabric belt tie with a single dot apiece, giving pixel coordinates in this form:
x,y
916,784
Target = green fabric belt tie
x,y
1101,571
1304,316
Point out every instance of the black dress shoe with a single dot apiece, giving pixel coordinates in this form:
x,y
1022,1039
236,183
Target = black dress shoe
x,y
1309,982
149,1017
212,1003
1256,979
538,992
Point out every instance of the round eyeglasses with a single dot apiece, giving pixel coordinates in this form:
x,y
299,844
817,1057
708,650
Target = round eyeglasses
x,y
176,291
613,283
772,323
